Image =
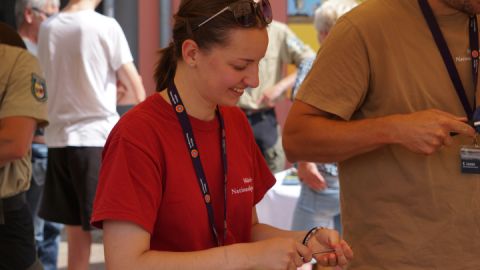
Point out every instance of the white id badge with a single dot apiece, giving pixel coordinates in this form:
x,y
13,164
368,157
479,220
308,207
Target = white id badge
x,y
470,159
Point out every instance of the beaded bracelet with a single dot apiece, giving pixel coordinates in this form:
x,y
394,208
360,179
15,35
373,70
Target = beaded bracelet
x,y
310,234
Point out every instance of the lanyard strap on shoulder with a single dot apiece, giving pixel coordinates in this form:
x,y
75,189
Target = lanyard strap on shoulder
x,y
447,57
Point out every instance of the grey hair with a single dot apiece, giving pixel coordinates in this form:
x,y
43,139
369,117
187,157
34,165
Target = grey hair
x,y
329,12
21,5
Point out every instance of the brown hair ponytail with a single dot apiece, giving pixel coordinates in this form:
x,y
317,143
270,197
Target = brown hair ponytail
x,y
166,67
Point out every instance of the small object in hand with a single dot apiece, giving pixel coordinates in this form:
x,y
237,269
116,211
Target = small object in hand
x,y
324,252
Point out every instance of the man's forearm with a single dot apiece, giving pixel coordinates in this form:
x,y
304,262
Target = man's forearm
x,y
310,135
332,140
16,134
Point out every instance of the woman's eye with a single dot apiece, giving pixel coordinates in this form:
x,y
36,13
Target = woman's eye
x,y
239,68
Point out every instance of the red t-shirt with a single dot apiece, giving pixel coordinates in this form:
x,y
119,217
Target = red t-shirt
x,y
147,177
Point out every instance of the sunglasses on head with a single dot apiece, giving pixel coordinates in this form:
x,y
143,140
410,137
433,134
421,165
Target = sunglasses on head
x,y
245,12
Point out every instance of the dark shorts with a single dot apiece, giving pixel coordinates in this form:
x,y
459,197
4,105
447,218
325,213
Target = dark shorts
x,y
72,176
17,244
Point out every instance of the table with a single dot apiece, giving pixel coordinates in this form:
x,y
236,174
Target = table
x,y
277,206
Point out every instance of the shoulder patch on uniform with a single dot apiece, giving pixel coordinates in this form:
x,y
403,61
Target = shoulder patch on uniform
x,y
39,88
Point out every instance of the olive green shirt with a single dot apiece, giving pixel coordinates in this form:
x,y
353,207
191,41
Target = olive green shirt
x,y
284,47
22,93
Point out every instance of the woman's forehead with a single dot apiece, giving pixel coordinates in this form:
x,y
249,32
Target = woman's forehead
x,y
249,40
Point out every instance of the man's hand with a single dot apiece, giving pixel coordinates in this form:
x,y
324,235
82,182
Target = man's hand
x,y
426,131
309,174
269,96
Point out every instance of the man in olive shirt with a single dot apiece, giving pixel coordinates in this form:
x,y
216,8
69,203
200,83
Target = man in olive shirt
x,y
380,100
23,107
284,48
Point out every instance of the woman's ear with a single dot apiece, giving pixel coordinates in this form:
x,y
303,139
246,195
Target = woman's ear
x,y
190,51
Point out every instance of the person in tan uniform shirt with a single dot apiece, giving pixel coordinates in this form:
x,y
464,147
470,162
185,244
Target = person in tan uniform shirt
x,y
380,101
23,107
284,47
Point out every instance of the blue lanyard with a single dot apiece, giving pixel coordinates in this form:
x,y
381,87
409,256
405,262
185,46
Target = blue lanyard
x,y
447,56
194,154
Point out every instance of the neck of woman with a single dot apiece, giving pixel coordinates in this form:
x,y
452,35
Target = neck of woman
x,y
195,104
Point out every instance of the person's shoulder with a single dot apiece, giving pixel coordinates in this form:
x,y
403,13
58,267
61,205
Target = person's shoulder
x,y
277,28
9,51
106,21
278,25
235,115
377,12
145,114
11,55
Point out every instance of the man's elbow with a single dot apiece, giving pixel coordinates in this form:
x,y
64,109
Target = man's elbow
x,y
19,151
290,146
12,153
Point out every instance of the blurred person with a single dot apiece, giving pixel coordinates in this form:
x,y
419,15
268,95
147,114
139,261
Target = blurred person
x,y
163,198
83,54
23,108
384,101
30,14
258,103
319,201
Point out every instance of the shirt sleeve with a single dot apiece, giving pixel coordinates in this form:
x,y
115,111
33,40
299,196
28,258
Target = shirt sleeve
x,y
339,78
295,51
118,46
25,94
130,183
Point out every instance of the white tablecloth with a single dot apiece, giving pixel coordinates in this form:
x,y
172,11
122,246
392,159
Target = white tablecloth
x,y
277,207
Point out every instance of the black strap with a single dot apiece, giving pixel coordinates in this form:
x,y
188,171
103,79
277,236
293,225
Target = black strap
x,y
447,56
2,215
182,116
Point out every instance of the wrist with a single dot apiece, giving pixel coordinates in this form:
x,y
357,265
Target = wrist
x,y
311,233
387,131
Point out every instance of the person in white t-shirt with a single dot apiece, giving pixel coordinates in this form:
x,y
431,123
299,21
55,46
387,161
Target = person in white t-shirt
x,y
83,54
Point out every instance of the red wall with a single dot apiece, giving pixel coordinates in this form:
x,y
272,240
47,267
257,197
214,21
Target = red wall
x,y
148,41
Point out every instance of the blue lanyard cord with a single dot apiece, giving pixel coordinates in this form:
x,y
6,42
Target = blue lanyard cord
x,y
182,116
473,35
447,56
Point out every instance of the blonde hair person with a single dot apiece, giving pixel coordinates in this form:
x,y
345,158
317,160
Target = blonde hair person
x,y
328,13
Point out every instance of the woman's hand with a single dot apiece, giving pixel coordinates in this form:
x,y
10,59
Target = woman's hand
x,y
278,253
326,239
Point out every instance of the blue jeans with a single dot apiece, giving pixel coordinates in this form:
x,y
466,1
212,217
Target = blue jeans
x,y
47,234
318,208
48,239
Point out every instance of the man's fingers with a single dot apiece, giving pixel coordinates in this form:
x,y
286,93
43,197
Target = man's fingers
x,y
460,128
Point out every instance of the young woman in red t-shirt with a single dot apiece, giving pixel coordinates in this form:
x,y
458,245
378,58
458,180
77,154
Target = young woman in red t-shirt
x,y
181,172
